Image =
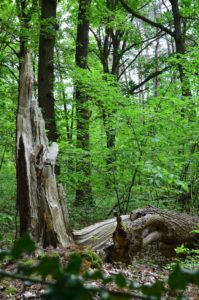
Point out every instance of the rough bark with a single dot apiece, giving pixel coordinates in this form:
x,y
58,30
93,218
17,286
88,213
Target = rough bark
x,y
97,235
84,188
46,66
40,201
131,233
169,229
179,37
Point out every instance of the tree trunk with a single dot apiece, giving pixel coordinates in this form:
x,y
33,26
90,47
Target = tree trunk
x,y
40,201
169,229
131,233
84,188
46,66
96,235
179,37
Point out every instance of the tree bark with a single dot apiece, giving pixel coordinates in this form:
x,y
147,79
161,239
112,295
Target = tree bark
x,y
39,200
131,233
179,37
169,229
84,188
46,66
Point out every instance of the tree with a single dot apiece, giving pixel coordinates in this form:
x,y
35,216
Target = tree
x,y
40,201
46,98
178,34
84,188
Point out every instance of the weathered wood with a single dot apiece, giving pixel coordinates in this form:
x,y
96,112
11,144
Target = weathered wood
x,y
39,200
131,233
95,236
175,227
169,229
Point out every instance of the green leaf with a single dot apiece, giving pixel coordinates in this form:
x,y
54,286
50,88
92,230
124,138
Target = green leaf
x,y
94,275
154,290
74,265
26,269
120,280
49,266
180,277
24,244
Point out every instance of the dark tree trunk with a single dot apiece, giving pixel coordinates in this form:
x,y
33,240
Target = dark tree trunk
x,y
46,66
40,201
84,188
179,37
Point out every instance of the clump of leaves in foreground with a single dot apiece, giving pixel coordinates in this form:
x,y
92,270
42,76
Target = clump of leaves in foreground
x,y
67,282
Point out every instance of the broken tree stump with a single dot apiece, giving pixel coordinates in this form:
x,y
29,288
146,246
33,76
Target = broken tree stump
x,y
40,201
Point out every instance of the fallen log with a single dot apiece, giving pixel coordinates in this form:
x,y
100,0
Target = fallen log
x,y
168,229
131,233
95,236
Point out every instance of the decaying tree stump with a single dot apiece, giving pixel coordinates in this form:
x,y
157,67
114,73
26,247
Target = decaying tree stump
x,y
41,204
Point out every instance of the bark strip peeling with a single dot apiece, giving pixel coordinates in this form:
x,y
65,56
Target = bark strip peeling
x,y
40,201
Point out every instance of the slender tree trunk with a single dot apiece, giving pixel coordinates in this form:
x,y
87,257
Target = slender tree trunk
x,y
84,188
46,66
40,201
24,19
69,136
179,38
156,79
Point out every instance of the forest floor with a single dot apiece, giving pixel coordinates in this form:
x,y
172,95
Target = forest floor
x,y
146,269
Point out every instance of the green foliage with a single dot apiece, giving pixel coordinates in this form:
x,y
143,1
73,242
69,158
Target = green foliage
x,y
24,244
181,250
155,154
188,258
180,278
92,257
64,282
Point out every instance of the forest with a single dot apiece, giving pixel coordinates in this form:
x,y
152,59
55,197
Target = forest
x,y
99,149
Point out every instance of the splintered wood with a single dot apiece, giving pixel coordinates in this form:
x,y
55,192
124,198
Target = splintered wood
x,y
40,202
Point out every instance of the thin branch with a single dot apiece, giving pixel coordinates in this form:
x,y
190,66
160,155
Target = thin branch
x,y
151,76
144,5
2,158
13,74
146,20
157,36
25,278
137,55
